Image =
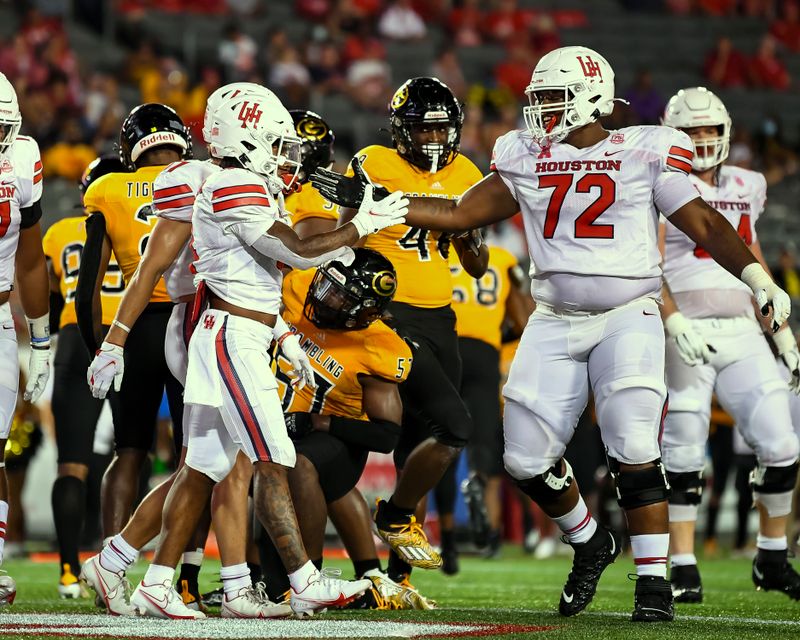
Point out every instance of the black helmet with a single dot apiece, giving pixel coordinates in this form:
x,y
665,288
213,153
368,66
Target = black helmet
x,y
318,138
352,296
152,125
109,163
423,102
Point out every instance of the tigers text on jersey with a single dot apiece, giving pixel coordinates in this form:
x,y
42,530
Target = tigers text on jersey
x,y
423,274
309,203
739,196
63,244
591,214
234,204
480,303
174,192
20,187
338,357
125,200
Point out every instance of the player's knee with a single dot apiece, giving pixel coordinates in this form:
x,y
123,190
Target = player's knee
x,y
216,467
687,487
683,458
778,451
548,487
639,487
773,487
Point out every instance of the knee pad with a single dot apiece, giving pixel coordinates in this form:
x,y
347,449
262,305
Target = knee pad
x,y
768,480
641,487
550,485
687,487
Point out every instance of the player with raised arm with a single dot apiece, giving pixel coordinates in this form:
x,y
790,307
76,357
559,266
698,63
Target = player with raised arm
x,y
21,258
590,201
716,346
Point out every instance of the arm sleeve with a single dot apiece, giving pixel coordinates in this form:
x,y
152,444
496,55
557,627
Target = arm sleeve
x,y
29,216
373,435
87,277
272,247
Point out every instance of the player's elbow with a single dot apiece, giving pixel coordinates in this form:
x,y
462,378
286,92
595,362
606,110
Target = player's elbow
x,y
387,436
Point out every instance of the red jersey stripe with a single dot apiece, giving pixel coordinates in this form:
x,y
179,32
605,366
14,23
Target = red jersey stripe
x,y
680,151
679,164
174,204
239,189
239,202
37,166
174,166
172,191
37,178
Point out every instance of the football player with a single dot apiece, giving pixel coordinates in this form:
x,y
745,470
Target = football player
x,y
168,253
239,240
426,121
716,346
21,256
75,411
590,201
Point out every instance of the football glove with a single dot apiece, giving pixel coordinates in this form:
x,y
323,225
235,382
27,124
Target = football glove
x,y
346,191
38,373
107,367
787,349
298,425
692,349
302,372
768,295
373,216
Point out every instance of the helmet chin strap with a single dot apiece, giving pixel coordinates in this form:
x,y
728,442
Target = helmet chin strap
x,y
435,162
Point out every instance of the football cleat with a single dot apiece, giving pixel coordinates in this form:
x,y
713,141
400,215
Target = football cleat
x,y
591,559
161,600
8,589
111,587
325,589
213,598
686,585
252,602
69,586
473,489
450,564
407,539
386,594
772,572
420,601
652,600
190,594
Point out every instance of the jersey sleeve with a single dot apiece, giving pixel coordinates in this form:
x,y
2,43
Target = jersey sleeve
x,y
36,179
242,207
673,188
174,191
390,356
502,163
679,152
373,161
94,200
760,195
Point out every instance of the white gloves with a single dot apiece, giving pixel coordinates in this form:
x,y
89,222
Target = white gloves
x,y
38,372
767,294
373,216
691,346
107,367
787,349
302,372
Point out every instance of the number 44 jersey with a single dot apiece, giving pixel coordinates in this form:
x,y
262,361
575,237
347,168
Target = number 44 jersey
x,y
591,215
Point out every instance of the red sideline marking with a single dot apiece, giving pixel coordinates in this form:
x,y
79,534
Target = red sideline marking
x,y
492,629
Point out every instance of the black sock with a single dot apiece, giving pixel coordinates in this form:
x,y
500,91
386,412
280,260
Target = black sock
x,y
317,563
397,568
272,569
255,572
69,511
448,539
362,566
190,573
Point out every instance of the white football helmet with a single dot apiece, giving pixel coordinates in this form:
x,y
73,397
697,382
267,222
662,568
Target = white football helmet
x,y
257,130
10,117
587,81
216,98
698,107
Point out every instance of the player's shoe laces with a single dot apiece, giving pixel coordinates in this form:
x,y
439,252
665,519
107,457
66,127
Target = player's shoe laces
x,y
326,589
407,539
473,489
112,588
686,585
652,600
8,589
591,558
772,572
190,594
420,601
386,594
213,598
161,600
252,602
68,584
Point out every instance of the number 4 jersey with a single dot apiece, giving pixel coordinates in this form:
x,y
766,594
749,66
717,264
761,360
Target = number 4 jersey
x,y
591,214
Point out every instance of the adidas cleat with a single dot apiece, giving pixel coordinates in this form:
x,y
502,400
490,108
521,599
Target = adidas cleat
x,y
408,540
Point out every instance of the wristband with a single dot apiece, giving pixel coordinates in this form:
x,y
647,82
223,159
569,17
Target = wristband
x,y
39,329
284,336
755,277
117,323
676,323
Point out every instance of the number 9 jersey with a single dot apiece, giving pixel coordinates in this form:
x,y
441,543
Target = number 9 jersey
x,y
423,274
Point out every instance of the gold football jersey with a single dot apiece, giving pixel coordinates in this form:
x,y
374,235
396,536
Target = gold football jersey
x,y
309,203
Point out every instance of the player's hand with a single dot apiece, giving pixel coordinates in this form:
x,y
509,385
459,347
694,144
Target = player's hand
x,y
302,372
107,367
787,349
298,425
472,240
692,348
373,216
773,298
38,373
346,191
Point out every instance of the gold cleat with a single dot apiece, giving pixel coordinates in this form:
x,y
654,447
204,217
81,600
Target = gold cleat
x,y
408,540
414,597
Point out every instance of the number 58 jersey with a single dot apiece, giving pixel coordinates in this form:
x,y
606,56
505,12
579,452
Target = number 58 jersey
x,y
591,215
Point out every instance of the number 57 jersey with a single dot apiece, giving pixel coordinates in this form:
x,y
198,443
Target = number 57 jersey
x,y
591,215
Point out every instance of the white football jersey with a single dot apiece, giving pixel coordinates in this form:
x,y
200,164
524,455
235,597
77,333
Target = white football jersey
x,y
739,196
20,187
174,193
591,215
234,204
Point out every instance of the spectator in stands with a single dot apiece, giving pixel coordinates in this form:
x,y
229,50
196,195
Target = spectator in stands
x,y
741,154
717,7
170,85
786,274
69,157
141,61
290,79
369,84
326,69
766,69
507,22
465,23
514,72
447,68
195,106
400,22
778,160
786,29
544,34
645,100
313,10
362,44
237,54
726,67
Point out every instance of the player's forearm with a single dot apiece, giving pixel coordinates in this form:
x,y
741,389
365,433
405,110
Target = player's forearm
x,y
315,246
374,434
436,214
34,288
668,306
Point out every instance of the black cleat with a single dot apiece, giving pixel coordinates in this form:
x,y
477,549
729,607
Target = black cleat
x,y
450,565
686,585
473,490
591,558
772,572
213,598
652,601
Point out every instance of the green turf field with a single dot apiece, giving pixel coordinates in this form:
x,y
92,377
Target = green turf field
x,y
513,590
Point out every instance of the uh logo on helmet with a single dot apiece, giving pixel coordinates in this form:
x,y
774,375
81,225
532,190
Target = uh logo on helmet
x,y
570,88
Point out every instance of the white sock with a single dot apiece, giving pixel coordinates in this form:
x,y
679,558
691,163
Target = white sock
x,y
3,526
771,544
193,557
158,574
683,559
118,555
235,577
650,554
578,525
300,578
